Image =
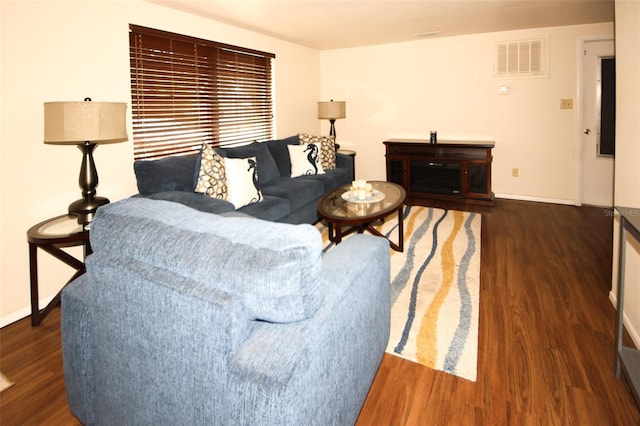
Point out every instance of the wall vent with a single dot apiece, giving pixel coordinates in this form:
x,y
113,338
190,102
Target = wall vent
x,y
519,58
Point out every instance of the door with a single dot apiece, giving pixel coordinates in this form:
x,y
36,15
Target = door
x,y
597,160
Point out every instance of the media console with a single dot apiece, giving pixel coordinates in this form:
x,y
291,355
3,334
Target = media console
x,y
447,170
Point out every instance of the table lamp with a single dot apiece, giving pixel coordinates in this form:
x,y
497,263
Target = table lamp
x,y
332,110
85,124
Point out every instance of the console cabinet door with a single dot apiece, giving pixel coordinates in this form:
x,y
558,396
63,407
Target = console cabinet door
x,y
477,175
397,171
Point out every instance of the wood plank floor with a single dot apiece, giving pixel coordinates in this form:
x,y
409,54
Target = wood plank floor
x,y
546,338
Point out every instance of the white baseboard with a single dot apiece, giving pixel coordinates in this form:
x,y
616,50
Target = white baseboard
x,y
627,324
22,313
536,199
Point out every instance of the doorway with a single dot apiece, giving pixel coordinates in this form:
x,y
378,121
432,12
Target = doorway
x,y
597,118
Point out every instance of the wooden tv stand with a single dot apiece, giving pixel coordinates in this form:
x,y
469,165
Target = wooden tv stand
x,y
458,171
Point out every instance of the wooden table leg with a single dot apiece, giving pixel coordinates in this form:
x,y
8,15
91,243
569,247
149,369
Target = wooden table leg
x,y
33,271
400,229
337,239
37,314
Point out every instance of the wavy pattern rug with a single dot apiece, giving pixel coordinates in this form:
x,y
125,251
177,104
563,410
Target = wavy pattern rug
x,y
435,286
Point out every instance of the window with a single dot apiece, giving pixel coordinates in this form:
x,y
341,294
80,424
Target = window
x,y
187,91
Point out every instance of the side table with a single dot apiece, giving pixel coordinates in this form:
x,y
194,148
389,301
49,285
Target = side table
x,y
51,236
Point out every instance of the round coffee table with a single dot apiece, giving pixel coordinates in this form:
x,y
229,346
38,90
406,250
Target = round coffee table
x,y
340,210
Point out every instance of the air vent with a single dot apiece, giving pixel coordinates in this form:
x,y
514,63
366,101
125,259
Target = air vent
x,y
519,58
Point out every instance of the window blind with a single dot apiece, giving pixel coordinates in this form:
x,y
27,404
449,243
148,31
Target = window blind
x,y
187,91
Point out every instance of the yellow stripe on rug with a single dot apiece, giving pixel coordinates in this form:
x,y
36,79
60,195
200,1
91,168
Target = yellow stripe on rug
x,y
435,286
427,350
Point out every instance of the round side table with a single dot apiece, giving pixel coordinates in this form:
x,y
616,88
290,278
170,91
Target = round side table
x,y
51,236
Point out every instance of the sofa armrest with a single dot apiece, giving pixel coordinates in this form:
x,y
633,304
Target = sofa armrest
x,y
328,360
344,161
133,346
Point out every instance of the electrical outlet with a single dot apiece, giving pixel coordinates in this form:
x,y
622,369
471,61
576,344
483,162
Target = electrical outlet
x,y
515,172
566,103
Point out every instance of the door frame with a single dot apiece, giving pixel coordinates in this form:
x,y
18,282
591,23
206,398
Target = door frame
x,y
579,110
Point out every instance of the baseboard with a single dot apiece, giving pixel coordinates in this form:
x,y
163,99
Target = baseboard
x,y
635,336
536,199
22,313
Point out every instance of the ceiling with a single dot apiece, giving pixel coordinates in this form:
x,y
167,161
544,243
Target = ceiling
x,y
335,24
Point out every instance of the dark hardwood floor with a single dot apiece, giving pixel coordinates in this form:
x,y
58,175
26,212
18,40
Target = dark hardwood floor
x,y
546,338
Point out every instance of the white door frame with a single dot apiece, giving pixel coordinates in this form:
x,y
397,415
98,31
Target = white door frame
x,y
579,112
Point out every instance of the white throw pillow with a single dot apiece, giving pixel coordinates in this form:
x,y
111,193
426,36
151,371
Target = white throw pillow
x,y
242,181
305,160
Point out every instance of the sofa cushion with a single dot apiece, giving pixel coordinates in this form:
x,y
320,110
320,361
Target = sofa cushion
x,y
305,160
242,181
327,146
211,178
280,153
331,179
297,191
175,173
267,168
273,268
270,208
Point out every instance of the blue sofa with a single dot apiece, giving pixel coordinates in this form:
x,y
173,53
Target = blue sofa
x,y
185,317
286,199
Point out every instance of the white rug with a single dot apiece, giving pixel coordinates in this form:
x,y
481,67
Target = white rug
x,y
435,287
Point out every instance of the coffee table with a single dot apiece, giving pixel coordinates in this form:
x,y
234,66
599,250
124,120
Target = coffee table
x,y
360,215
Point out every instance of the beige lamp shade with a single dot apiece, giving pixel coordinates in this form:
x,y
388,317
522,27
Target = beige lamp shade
x,y
75,123
332,110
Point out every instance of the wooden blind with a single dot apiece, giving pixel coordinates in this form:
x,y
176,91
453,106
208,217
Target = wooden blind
x,y
187,91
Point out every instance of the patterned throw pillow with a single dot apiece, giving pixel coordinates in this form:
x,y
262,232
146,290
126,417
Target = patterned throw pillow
x,y
305,160
327,146
242,181
212,176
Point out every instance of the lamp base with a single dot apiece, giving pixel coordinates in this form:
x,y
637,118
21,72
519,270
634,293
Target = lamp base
x,y
85,208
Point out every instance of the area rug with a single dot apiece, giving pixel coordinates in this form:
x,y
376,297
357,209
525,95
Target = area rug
x,y
4,382
435,286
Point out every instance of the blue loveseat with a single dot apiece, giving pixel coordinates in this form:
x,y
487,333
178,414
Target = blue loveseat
x,y
191,318
286,199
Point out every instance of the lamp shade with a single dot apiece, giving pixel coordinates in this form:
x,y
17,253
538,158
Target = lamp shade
x,y
75,123
332,110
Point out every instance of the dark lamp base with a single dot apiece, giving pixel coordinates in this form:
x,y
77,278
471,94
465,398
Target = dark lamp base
x,y
85,208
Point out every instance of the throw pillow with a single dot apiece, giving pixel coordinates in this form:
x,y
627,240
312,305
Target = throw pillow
x,y
242,181
327,146
267,168
174,173
305,160
212,177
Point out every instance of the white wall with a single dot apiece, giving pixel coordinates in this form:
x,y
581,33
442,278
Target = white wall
x,y
446,84
68,50
627,172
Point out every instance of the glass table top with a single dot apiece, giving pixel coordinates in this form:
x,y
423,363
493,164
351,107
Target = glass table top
x,y
341,204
